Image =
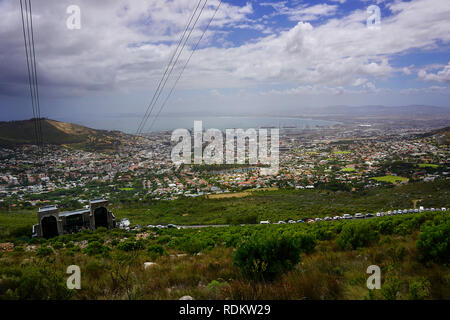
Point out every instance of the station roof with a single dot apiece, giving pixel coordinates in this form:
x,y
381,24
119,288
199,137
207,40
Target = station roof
x,y
72,213
48,208
97,200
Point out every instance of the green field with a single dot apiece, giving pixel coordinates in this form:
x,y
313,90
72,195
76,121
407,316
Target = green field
x,y
391,179
428,165
348,170
126,189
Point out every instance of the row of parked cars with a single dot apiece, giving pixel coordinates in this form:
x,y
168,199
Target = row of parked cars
x,y
125,224
359,215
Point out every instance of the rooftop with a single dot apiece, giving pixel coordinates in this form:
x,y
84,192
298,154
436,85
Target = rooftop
x,y
75,212
97,200
48,208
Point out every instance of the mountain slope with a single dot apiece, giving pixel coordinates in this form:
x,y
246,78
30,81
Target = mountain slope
x,y
55,132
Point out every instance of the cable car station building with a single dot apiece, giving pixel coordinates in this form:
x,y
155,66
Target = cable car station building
x,y
52,223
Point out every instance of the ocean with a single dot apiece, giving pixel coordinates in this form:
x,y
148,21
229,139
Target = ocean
x,y
129,124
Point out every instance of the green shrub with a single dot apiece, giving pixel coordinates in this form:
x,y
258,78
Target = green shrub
x,y
164,239
419,289
266,257
192,244
434,243
131,245
354,236
57,245
155,250
95,248
307,242
390,289
44,251
33,283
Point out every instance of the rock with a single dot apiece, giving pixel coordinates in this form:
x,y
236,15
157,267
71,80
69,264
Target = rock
x,y
149,264
186,298
7,246
82,244
142,236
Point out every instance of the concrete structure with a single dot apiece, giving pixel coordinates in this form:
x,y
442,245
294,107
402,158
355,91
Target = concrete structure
x,y
52,223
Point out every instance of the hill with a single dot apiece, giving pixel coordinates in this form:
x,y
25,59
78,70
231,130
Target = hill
x,y
58,133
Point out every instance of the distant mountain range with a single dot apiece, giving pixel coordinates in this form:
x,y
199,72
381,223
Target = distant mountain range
x,y
58,133
376,111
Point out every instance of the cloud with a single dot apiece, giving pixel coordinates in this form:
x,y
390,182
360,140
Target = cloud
x,y
303,12
426,90
125,46
441,76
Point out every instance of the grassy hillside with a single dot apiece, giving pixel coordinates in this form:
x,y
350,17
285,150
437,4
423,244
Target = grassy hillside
x,y
58,133
275,205
331,262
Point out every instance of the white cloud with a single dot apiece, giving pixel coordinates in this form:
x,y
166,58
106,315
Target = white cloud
x,y
426,90
441,76
303,12
126,45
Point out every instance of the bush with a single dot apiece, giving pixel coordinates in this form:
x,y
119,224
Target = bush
x,y
390,289
191,244
307,242
354,236
96,247
434,243
131,245
265,258
155,250
32,283
419,289
57,245
44,251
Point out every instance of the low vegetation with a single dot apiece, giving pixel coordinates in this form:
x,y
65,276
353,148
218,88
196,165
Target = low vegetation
x,y
323,260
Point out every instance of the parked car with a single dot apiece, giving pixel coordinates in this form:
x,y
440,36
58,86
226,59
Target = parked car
x,y
380,214
310,221
347,216
416,210
318,219
264,222
369,215
291,221
150,226
300,221
337,218
327,219
389,213
443,209
159,226
359,216
170,225
281,222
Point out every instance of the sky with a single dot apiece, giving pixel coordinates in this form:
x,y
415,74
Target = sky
x,y
257,57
